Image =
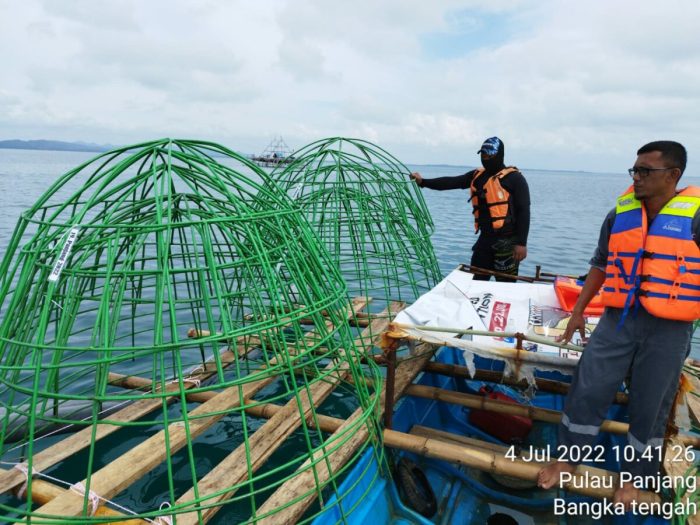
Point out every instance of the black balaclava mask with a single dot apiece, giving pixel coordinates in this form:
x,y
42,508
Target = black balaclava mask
x,y
494,164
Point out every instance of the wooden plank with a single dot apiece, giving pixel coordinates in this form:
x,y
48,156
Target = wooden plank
x,y
127,468
234,469
302,487
123,471
82,439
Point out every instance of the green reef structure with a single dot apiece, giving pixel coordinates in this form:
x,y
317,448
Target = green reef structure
x,y
175,348
372,218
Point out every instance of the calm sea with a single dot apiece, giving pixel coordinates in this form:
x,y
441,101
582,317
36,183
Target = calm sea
x,y
567,209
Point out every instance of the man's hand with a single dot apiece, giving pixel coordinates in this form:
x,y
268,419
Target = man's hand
x,y
417,177
576,322
519,252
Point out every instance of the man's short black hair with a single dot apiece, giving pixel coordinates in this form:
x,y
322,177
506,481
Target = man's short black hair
x,y
672,152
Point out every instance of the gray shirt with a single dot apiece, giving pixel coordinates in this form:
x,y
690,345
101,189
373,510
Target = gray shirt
x,y
600,256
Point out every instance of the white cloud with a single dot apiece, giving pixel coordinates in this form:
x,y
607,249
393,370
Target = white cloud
x,y
573,85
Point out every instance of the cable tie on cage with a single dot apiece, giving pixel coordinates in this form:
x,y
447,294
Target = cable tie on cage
x,y
195,382
168,518
23,468
93,498
197,369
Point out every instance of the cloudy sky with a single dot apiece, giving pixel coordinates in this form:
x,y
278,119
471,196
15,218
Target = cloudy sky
x,y
566,84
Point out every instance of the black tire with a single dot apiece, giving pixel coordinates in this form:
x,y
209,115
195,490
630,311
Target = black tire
x,y
414,488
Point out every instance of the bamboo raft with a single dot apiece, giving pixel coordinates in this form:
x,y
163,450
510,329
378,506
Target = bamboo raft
x,y
282,421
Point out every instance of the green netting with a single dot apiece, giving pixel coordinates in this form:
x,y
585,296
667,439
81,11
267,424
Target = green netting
x,y
155,301
368,213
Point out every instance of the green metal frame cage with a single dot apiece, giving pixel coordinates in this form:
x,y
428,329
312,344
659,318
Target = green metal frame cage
x,y
369,214
164,306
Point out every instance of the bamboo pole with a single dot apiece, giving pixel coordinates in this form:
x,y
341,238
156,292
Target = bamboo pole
x,y
473,453
427,432
540,360
495,463
515,409
44,491
545,385
469,331
259,446
124,470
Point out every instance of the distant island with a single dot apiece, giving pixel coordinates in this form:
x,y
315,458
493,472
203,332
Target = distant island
x,y
54,145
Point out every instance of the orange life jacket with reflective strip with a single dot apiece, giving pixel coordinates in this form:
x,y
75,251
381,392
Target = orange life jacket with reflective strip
x,y
661,266
496,197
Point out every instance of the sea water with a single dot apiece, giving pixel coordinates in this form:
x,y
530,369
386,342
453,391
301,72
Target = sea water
x,y
567,209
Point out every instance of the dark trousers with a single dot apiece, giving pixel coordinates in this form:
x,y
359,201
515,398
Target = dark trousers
x,y
496,254
652,351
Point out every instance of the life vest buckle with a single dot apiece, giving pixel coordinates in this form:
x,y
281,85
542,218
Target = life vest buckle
x,y
647,254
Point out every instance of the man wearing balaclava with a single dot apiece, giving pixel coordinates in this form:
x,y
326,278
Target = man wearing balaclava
x,y
500,200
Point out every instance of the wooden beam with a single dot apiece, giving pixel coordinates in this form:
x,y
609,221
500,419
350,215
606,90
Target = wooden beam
x,y
235,468
111,479
302,487
83,438
127,468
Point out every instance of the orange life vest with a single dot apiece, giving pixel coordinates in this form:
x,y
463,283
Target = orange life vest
x,y
496,197
568,291
662,265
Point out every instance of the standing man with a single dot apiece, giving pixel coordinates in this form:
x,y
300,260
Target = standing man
x,y
648,264
500,201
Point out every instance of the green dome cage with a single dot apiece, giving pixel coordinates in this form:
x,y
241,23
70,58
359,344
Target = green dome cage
x,y
368,213
173,340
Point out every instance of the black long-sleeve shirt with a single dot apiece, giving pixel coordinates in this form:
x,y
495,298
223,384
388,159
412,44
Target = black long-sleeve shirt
x,y
514,183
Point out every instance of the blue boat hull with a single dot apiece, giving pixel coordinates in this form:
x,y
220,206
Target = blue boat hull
x,y
465,496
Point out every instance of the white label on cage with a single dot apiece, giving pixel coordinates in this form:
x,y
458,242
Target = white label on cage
x,y
65,252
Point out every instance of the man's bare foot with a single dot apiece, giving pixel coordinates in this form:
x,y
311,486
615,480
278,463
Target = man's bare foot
x,y
626,494
550,475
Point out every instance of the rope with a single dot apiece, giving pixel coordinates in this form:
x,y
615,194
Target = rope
x,y
23,468
93,498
